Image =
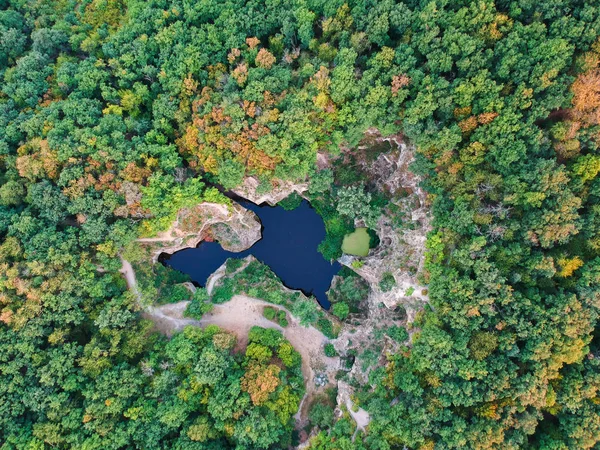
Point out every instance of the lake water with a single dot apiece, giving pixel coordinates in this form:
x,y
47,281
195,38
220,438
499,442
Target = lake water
x,y
288,246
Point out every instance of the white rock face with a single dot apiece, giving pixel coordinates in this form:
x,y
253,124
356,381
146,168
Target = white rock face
x,y
281,189
401,251
234,227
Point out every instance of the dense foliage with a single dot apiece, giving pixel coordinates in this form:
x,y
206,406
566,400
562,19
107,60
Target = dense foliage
x,y
111,111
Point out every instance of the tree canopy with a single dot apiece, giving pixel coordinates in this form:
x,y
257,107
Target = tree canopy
x,y
116,113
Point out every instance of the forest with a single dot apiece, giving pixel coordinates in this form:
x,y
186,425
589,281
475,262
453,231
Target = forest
x,y
115,114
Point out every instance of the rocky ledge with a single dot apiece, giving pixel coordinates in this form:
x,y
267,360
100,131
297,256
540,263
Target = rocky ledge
x,y
278,191
233,226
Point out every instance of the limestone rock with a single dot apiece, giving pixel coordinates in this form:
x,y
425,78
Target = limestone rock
x,y
281,189
234,227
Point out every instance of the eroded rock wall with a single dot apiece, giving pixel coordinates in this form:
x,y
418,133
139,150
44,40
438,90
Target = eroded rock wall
x,y
233,226
281,189
401,251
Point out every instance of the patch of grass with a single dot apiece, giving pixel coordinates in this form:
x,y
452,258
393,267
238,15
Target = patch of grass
x,y
356,243
329,350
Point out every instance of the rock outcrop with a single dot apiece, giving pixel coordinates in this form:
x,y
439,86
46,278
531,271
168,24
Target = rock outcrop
x,y
233,226
401,251
281,189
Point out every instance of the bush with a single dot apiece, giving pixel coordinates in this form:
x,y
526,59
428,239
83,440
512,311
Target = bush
x,y
268,337
321,415
233,264
330,350
224,292
373,238
326,327
282,318
340,310
306,311
387,282
173,294
398,334
269,312
357,263
320,182
351,289
258,352
291,202
197,308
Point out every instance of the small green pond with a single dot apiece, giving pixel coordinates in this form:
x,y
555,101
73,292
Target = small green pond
x,y
356,243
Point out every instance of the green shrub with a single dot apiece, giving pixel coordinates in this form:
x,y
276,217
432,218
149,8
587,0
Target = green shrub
x,y
320,182
268,337
340,310
397,333
306,311
357,263
373,238
282,318
387,282
409,291
326,327
321,415
330,350
269,312
224,292
233,264
173,294
197,308
291,202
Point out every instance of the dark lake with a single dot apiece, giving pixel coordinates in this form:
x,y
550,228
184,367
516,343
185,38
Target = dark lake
x,y
288,246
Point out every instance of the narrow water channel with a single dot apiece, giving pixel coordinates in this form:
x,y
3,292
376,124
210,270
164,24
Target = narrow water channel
x,y
288,246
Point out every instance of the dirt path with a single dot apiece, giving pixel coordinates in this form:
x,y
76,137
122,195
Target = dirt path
x,y
361,417
129,274
242,313
239,315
